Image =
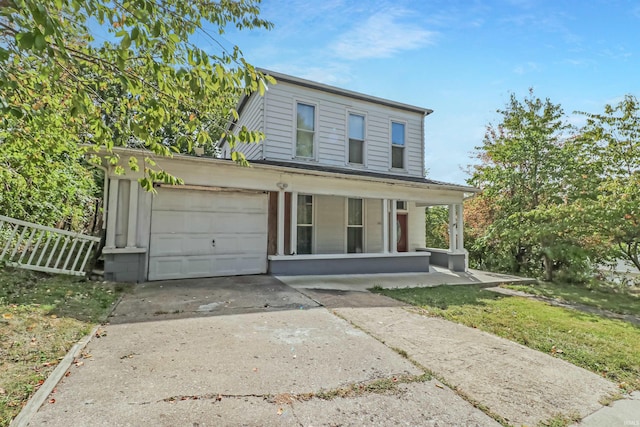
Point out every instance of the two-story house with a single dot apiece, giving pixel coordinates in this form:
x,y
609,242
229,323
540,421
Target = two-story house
x,y
337,187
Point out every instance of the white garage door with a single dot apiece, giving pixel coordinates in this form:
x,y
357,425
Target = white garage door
x,y
204,234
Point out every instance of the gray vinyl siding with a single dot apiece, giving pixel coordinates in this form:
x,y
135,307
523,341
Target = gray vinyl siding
x,y
373,225
330,226
331,129
252,117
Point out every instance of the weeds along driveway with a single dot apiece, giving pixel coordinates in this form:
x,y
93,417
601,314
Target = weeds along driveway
x,y
278,367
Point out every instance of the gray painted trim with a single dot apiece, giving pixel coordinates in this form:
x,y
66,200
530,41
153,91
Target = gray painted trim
x,y
443,258
359,265
125,267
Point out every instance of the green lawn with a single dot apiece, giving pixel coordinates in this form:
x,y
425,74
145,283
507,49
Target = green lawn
x,y
615,299
610,348
41,317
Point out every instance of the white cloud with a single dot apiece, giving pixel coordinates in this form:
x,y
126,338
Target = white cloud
x,y
382,35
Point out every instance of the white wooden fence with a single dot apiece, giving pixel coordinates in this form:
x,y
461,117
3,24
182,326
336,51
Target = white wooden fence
x,y
35,247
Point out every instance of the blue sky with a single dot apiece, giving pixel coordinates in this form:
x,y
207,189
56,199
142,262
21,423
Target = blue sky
x,y
462,59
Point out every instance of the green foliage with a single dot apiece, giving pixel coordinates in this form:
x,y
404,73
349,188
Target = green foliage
x,y
611,144
534,228
145,84
437,227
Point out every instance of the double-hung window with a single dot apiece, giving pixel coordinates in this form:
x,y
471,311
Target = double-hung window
x,y
305,224
356,139
355,226
306,128
397,145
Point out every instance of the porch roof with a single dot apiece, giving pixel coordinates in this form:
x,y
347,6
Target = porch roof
x,y
365,173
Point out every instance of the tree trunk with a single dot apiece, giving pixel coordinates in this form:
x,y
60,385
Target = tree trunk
x,y
548,268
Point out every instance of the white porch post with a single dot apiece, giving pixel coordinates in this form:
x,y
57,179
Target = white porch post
x,y
394,226
452,228
293,234
132,226
112,212
459,228
385,226
280,248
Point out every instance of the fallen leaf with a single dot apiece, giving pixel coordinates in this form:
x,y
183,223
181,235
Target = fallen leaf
x,y
53,316
439,386
7,315
219,398
255,369
3,391
52,401
280,411
67,374
78,363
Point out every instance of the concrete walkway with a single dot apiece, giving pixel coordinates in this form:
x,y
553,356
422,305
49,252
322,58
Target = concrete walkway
x,y
523,386
437,276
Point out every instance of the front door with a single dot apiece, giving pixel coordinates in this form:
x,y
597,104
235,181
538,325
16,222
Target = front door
x,y
401,225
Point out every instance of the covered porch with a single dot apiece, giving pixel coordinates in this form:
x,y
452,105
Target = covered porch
x,y
326,234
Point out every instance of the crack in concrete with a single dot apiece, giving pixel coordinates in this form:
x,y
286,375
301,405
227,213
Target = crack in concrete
x,y
355,389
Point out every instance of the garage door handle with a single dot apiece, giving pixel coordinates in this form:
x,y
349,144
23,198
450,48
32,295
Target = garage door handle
x,y
213,243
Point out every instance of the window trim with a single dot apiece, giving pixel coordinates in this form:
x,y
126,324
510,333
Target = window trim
x,y
294,146
363,226
312,225
391,145
348,142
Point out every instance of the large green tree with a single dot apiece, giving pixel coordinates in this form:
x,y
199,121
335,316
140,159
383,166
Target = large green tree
x,y
535,228
106,73
610,143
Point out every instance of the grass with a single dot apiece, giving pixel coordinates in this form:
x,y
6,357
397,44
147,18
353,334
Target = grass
x,y
41,317
610,348
612,298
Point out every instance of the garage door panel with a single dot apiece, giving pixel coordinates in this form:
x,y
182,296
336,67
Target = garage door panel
x,y
180,244
185,223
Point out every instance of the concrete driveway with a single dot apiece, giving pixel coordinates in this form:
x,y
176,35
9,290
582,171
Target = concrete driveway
x,y
273,358
254,351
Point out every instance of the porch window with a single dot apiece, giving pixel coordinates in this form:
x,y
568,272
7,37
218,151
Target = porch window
x,y
305,224
306,126
356,139
397,145
355,226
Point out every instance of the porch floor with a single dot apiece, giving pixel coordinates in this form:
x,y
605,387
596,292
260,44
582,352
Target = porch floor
x,y
436,276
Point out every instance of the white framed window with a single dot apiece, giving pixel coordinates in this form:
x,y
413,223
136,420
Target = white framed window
x,y
401,205
356,139
398,139
305,224
305,130
355,226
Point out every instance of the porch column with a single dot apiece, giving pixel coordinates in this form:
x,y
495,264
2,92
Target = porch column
x,y
459,228
394,226
112,212
132,226
280,248
385,226
452,228
293,234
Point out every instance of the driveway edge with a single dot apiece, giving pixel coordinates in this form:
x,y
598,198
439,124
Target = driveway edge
x,y
33,405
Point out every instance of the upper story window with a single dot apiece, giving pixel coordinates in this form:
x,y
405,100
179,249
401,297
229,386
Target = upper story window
x,y
397,145
356,139
306,129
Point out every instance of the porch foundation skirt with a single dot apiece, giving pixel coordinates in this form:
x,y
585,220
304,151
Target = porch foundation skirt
x,y
323,264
